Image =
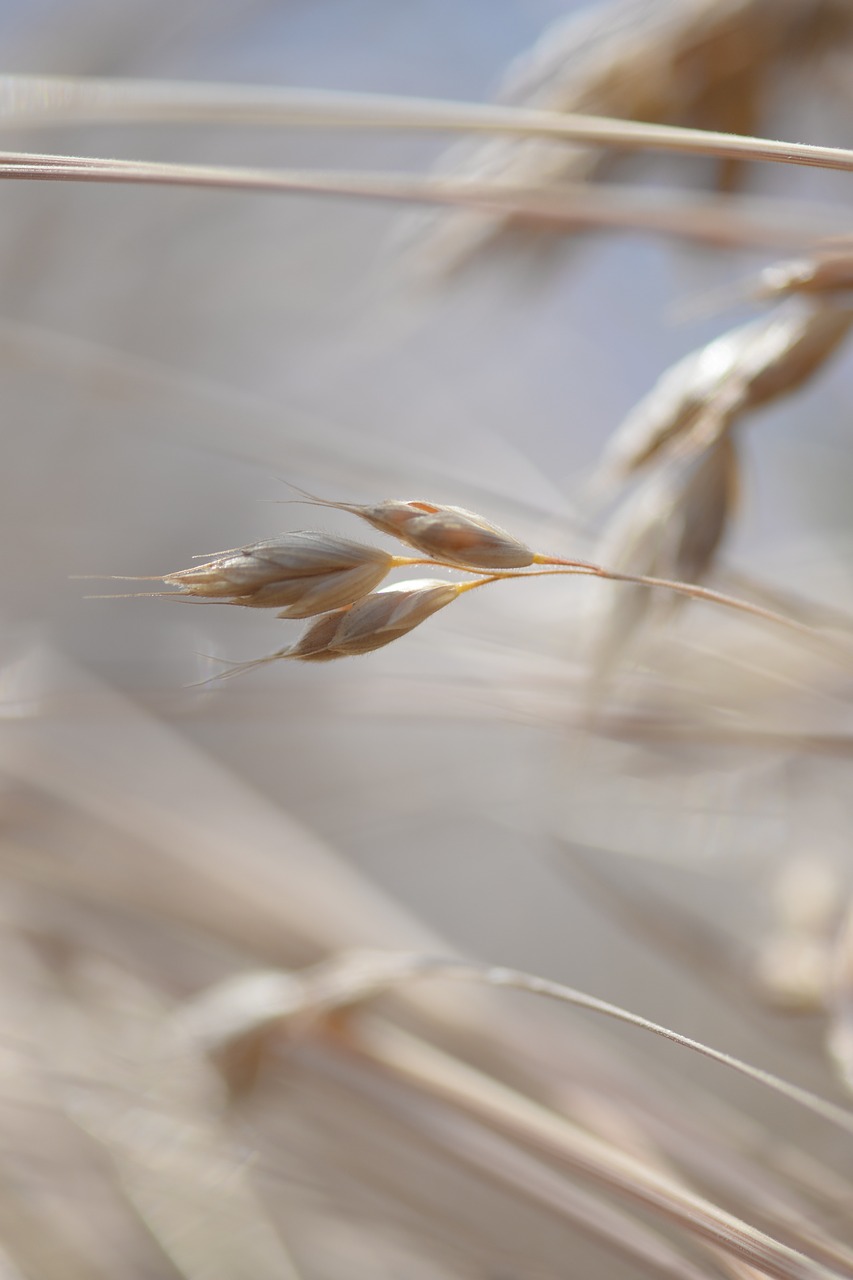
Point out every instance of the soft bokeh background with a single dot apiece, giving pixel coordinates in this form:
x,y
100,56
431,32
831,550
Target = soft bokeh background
x,y
168,358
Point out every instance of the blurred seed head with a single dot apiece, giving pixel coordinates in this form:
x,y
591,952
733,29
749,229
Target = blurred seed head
x,y
307,573
792,972
671,527
701,62
747,367
807,894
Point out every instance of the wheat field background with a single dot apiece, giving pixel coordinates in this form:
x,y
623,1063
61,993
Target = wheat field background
x,y
202,1075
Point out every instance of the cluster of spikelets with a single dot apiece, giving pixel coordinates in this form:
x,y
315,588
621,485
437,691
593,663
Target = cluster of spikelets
x,y
675,457
674,460
336,581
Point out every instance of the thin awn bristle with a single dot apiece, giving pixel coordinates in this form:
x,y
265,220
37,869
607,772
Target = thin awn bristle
x,y
140,595
116,577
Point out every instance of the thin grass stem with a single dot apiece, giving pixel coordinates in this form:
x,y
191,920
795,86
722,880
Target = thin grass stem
x,y
727,220
53,100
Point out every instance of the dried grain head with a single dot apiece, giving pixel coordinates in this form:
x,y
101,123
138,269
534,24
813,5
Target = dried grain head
x,y
700,62
307,573
375,621
795,344
671,527
450,534
741,370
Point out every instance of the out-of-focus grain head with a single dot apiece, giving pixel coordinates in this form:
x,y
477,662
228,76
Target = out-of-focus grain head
x,y
671,528
746,368
705,63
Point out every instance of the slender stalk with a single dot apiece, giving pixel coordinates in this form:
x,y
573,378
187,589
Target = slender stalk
x,y
718,220
689,589
427,1070
54,100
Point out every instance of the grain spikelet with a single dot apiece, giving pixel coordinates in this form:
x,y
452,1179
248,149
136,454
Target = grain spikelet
x,y
371,623
697,61
306,572
747,367
670,528
450,534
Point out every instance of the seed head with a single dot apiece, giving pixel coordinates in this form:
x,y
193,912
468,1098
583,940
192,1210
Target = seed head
x,y
747,367
450,534
374,621
670,527
307,572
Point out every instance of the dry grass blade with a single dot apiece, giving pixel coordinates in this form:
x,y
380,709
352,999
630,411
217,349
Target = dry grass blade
x,y
127,1077
280,912
471,1140
475,1094
348,980
264,1005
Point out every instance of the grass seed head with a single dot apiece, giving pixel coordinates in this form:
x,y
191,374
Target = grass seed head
x,y
451,534
375,620
704,62
671,527
307,573
747,367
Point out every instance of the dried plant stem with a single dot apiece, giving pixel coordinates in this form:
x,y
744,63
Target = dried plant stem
x,y
582,568
410,1061
350,978
519,981
494,1155
689,589
794,604
52,100
721,220
294,1002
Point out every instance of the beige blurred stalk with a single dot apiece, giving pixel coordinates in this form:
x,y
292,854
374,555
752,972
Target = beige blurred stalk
x,y
269,992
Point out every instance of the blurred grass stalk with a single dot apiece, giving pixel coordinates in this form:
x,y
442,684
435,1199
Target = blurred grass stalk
x,y
210,1069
